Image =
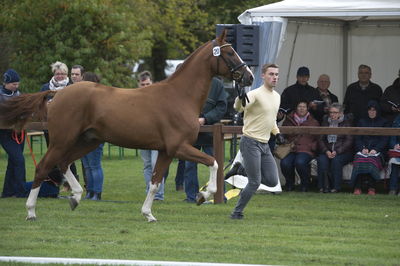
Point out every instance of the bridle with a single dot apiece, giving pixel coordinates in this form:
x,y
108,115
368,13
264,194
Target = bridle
x,y
236,74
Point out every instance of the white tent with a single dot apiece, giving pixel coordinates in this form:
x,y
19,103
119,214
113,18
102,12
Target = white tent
x,y
330,36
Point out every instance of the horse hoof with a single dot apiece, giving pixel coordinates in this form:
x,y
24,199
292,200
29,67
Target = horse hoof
x,y
30,218
150,218
73,203
200,199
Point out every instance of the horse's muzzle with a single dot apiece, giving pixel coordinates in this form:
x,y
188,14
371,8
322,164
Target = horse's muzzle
x,y
247,77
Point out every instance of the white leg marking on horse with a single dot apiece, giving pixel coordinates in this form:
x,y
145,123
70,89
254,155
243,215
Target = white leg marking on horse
x,y
76,188
146,208
31,203
212,183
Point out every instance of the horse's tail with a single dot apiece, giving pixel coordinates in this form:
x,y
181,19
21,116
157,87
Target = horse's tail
x,y
17,111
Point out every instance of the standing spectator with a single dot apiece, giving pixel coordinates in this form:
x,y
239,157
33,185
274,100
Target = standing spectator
x,y
325,99
259,122
335,150
369,159
300,90
305,147
390,101
12,143
359,93
394,162
92,160
213,111
77,72
180,175
58,81
77,76
149,157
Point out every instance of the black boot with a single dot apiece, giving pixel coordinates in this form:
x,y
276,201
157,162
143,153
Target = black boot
x,y
89,194
234,170
96,196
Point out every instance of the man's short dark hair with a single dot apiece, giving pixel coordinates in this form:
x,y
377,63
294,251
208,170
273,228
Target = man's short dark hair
x,y
266,66
80,67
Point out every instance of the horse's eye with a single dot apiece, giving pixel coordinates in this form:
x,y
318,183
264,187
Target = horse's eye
x,y
230,53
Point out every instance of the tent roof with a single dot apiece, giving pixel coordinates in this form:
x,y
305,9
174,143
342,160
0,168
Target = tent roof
x,y
344,10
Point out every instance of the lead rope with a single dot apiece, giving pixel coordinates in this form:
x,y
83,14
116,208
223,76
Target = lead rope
x,y
31,151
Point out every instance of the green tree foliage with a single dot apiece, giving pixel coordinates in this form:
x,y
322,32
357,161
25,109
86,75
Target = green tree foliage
x,y
178,26
104,36
107,36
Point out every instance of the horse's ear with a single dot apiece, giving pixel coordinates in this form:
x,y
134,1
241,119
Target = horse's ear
x,y
221,38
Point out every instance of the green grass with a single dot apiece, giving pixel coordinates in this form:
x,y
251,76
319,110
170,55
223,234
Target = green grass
x,y
287,229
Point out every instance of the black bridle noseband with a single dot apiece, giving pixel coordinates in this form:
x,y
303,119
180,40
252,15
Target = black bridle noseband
x,y
236,74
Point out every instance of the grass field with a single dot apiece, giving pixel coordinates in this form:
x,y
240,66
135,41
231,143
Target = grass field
x,y
286,229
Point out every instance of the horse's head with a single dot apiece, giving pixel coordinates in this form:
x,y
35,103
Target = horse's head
x,y
233,66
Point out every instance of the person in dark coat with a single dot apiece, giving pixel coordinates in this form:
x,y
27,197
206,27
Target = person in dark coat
x,y
369,159
305,147
319,107
390,101
335,150
12,143
300,90
213,111
359,93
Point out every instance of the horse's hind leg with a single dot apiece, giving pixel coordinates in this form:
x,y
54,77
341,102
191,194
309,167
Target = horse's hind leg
x,y
77,151
75,187
163,160
189,153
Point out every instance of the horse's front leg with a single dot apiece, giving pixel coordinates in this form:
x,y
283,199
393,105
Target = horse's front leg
x,y
31,203
75,187
202,196
189,153
162,163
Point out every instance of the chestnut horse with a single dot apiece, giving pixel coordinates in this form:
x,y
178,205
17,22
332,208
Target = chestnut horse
x,y
163,117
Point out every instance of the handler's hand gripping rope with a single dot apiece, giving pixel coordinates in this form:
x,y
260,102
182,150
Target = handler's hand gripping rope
x,y
242,94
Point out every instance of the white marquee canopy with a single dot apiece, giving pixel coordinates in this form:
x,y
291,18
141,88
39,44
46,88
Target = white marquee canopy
x,y
330,37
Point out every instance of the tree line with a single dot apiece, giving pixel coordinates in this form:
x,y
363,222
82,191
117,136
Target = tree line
x,y
107,36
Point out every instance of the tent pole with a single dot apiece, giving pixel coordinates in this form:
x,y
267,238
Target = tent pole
x,y
346,27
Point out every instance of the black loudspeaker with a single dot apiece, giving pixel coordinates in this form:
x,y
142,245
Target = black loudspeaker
x,y
247,43
244,39
230,35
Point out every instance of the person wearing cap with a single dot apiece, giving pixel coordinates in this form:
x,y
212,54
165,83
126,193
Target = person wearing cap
x,y
359,93
12,143
300,90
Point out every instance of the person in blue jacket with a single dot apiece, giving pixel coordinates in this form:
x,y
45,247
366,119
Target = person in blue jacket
x,y
12,142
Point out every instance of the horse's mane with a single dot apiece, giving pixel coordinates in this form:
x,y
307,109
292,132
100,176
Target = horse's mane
x,y
187,60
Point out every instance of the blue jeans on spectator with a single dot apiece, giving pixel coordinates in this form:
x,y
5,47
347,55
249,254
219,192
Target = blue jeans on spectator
x,y
334,167
14,181
191,180
299,161
149,158
394,177
93,170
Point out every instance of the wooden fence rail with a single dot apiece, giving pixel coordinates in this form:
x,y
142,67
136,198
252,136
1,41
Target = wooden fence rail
x,y
219,130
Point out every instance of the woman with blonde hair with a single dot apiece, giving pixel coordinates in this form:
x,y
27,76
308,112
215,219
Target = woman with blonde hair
x,y
60,79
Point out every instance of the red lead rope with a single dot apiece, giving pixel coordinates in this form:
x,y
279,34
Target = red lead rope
x,y
15,136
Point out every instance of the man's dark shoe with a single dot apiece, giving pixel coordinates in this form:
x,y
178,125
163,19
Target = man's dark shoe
x,y
189,201
236,216
233,170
